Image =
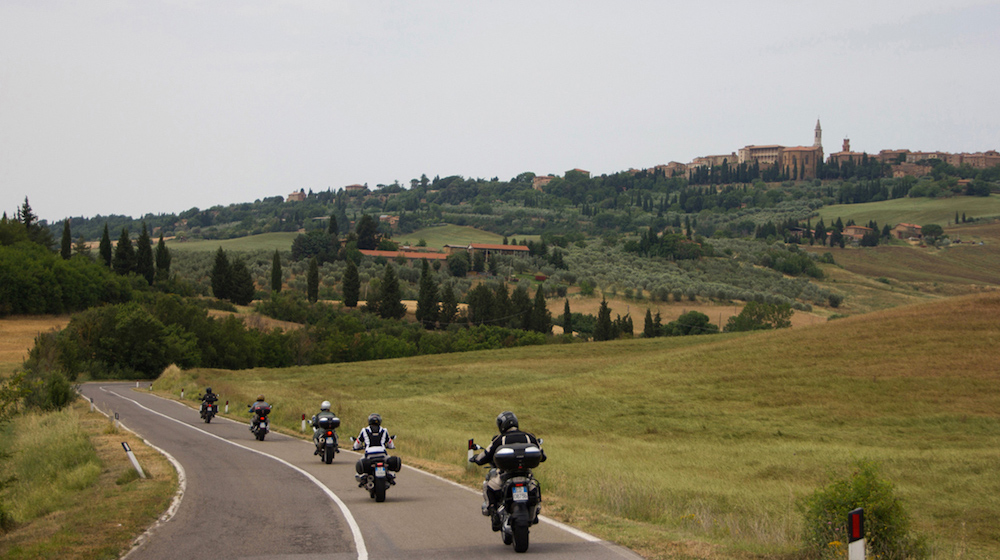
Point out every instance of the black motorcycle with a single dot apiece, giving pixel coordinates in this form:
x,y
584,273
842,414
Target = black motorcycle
x,y
259,423
520,494
325,438
208,410
377,470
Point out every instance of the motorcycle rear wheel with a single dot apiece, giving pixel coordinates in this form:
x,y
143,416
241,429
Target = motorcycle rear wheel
x,y
327,455
379,489
520,537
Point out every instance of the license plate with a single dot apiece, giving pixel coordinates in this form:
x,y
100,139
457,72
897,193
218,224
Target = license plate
x,y
329,440
380,472
263,425
520,494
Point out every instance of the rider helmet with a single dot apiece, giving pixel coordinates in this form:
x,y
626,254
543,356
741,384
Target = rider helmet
x,y
208,390
325,405
374,421
506,421
260,398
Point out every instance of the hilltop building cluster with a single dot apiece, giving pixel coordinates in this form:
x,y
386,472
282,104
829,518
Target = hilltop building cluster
x,y
808,159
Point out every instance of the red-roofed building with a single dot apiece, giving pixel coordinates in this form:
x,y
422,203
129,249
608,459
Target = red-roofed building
x,y
907,231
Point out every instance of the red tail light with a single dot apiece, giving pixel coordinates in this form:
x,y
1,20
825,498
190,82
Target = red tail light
x,y
329,433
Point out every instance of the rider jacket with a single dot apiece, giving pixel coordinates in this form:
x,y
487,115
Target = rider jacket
x,y
209,398
369,437
512,435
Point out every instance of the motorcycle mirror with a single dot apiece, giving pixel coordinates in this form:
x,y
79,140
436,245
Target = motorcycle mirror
x,y
540,441
472,444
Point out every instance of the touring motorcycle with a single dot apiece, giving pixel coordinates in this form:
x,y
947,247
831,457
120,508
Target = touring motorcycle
x,y
377,470
520,494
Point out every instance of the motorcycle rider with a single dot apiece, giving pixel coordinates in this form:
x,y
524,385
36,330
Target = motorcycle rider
x,y
324,412
373,434
258,408
207,400
510,432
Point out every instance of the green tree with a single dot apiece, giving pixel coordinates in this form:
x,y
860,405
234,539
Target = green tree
x,y
691,323
480,304
427,298
36,232
11,231
932,232
242,287
105,247
334,228
567,319
144,264
449,305
276,273
162,260
367,232
479,261
66,249
312,281
541,318
124,259
81,248
603,330
390,300
520,307
760,316
351,284
458,264
221,275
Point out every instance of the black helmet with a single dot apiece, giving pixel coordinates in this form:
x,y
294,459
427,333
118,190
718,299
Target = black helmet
x,y
374,420
208,390
506,420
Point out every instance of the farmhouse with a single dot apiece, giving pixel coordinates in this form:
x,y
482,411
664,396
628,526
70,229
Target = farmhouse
x,y
855,233
907,231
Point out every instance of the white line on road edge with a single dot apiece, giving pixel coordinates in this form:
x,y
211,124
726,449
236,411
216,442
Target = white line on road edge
x,y
359,540
181,486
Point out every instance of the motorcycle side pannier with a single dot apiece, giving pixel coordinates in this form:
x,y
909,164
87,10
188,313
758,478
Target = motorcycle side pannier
x,y
394,463
329,423
517,456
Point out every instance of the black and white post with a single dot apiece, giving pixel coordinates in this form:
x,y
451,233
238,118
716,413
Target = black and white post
x,y
135,462
856,533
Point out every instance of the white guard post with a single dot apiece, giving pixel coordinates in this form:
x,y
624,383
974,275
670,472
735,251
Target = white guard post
x,y
303,422
856,531
227,407
135,462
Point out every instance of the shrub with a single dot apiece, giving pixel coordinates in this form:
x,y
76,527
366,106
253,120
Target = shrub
x,y
887,525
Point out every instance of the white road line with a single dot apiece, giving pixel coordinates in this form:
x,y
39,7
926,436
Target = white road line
x,y
359,540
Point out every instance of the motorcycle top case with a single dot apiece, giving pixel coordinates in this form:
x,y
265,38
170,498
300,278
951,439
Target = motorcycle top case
x,y
328,422
517,456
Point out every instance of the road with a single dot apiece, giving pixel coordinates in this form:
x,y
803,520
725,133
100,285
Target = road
x,y
243,498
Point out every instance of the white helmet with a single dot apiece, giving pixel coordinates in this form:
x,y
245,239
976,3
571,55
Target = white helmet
x,y
325,405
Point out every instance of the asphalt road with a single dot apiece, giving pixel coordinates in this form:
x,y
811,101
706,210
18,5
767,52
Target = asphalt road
x,y
243,498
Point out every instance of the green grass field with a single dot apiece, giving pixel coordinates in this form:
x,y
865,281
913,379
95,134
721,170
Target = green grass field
x,y
281,241
439,236
919,211
700,447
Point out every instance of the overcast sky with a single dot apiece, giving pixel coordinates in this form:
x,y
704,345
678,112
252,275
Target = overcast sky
x,y
156,106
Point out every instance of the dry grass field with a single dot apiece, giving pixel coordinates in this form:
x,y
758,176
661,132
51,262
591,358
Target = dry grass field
x,y
17,336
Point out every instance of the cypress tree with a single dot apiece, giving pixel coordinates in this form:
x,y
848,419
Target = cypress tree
x,y
144,265
541,319
351,284
105,247
390,301
567,320
243,287
67,240
427,298
276,273
162,260
649,330
603,328
221,275
521,306
312,281
449,306
124,260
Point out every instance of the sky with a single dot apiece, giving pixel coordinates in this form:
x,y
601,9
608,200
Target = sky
x,y
160,106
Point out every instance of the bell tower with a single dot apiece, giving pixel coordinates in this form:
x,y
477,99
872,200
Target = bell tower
x,y
818,138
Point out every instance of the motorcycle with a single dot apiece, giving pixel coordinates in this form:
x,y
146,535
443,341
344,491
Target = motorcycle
x,y
376,470
259,423
209,410
325,438
520,494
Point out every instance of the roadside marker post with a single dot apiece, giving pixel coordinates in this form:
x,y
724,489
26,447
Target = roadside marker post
x,y
91,404
303,422
856,531
227,407
135,462
116,420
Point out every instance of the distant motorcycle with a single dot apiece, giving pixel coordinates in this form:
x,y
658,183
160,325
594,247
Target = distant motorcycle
x,y
325,438
259,423
521,495
376,470
209,410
